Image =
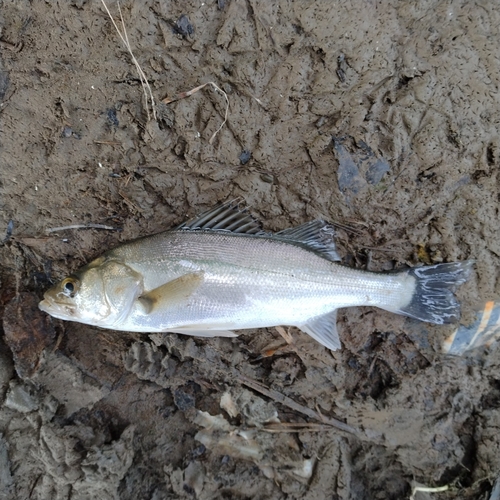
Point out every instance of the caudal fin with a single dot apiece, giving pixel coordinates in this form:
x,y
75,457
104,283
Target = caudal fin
x,y
433,299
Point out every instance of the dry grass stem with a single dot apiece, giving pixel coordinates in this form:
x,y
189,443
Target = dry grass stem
x,y
285,334
296,427
148,93
82,226
427,489
188,93
130,203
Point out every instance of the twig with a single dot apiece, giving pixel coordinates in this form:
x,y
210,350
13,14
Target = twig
x,y
109,143
188,93
290,403
295,427
318,411
124,38
82,226
372,365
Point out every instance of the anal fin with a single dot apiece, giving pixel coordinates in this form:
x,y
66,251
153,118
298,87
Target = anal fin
x,y
324,330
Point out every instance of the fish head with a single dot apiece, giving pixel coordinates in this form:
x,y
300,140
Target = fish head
x,y
102,294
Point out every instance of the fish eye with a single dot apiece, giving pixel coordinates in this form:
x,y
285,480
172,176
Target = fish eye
x,y
70,286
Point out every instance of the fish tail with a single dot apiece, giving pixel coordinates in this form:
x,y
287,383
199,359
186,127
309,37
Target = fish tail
x,y
433,299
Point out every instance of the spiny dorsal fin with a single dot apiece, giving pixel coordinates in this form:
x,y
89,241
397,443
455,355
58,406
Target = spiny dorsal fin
x,y
226,217
316,235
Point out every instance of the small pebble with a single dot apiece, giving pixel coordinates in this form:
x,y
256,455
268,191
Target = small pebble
x,y
183,400
183,26
321,121
67,132
267,177
245,156
198,451
188,489
112,118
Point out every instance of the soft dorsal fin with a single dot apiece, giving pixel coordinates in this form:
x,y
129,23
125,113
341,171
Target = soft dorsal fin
x,y
324,330
226,217
316,235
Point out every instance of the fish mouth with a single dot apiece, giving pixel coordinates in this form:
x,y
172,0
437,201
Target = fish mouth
x,y
61,311
44,305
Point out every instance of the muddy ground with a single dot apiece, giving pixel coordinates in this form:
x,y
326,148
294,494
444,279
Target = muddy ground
x,y
314,88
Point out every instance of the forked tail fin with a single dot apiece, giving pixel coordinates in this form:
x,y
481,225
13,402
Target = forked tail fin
x,y
433,299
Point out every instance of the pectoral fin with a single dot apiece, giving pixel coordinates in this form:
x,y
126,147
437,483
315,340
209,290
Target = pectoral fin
x,y
172,294
324,330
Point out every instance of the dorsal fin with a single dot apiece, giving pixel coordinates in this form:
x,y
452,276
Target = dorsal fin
x,y
316,235
226,217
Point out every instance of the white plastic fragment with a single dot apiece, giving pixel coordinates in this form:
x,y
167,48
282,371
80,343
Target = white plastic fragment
x,y
212,422
227,403
306,470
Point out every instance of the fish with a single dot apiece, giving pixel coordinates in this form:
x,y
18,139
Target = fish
x,y
220,272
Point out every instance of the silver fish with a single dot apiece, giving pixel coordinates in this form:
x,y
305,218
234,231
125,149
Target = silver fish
x,y
220,272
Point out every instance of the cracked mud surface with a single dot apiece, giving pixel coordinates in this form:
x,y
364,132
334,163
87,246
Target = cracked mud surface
x,y
381,117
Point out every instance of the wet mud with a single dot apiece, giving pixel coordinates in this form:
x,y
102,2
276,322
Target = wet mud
x,y
381,117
